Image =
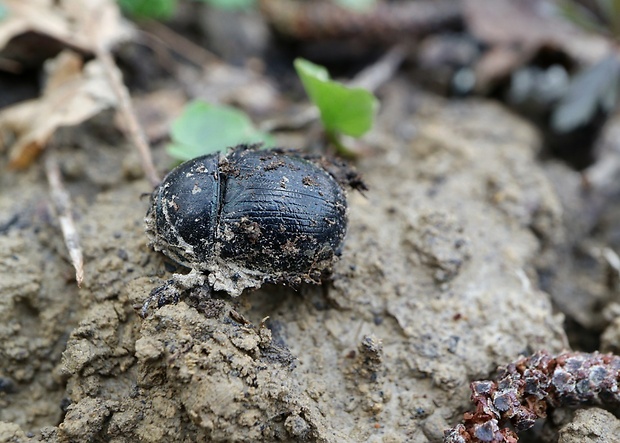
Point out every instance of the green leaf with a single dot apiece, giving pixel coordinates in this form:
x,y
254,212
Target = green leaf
x,y
580,15
357,5
343,109
230,4
158,9
204,128
611,12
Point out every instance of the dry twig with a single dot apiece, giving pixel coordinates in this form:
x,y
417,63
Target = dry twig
x,y
135,132
62,207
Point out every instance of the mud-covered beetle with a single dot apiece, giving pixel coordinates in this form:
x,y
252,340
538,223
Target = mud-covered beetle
x,y
251,216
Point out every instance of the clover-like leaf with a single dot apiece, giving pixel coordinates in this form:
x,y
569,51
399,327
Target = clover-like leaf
x,y
357,5
204,128
344,110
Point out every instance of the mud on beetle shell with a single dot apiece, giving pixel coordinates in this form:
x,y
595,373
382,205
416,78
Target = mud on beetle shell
x,y
250,217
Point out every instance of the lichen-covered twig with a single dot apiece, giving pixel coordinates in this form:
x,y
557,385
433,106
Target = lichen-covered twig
x,y
524,389
62,208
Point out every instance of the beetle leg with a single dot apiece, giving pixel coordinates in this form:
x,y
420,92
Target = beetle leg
x,y
171,291
165,294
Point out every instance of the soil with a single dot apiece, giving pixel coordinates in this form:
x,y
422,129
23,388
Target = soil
x,y
441,280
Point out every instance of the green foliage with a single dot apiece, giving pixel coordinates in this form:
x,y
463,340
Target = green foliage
x,y
158,9
204,128
610,9
357,5
602,16
163,9
230,4
344,110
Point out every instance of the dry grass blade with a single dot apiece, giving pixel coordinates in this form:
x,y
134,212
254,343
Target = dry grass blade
x,y
61,202
76,23
134,130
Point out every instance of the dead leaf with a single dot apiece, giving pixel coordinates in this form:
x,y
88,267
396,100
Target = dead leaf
x,y
32,15
517,29
73,94
96,24
507,22
79,24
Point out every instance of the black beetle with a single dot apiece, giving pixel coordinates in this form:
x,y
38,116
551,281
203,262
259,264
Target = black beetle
x,y
250,217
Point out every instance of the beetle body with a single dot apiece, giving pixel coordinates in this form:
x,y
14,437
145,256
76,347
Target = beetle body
x,y
249,217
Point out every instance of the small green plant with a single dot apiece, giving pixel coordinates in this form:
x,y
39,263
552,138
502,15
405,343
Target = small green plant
x,y
357,5
157,9
163,9
601,16
204,128
231,4
344,110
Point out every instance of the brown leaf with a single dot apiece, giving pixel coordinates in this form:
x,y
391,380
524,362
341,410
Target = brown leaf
x,y
79,24
96,23
529,24
32,15
73,94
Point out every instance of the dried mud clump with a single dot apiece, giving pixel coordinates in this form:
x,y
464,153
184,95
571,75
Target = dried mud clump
x,y
591,426
435,286
205,375
243,377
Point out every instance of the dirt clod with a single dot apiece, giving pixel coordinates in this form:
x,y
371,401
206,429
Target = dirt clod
x,y
435,286
591,426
